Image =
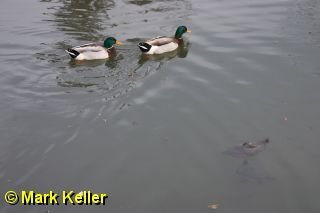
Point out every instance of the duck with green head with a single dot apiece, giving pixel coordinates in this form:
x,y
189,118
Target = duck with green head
x,y
163,44
92,51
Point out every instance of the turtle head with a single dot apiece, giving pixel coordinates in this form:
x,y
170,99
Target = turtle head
x,y
245,144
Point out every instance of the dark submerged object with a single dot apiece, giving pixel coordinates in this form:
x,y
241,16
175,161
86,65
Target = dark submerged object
x,y
247,149
255,147
250,172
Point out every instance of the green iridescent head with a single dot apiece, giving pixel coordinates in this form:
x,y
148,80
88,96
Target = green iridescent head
x,y
110,41
181,30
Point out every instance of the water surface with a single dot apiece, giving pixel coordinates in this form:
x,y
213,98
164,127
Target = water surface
x,y
151,132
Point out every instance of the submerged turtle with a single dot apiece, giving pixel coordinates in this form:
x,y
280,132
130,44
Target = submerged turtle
x,y
251,173
247,149
254,148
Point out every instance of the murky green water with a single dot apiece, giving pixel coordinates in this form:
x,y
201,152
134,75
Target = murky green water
x,y
151,132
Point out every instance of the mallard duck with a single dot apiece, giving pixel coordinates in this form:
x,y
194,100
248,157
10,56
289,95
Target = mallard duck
x,y
163,44
91,51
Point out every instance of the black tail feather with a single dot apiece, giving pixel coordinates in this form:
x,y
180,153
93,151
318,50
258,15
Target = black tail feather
x,y
73,53
144,47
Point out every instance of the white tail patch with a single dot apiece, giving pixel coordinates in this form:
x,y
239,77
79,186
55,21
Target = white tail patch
x,y
70,53
143,47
